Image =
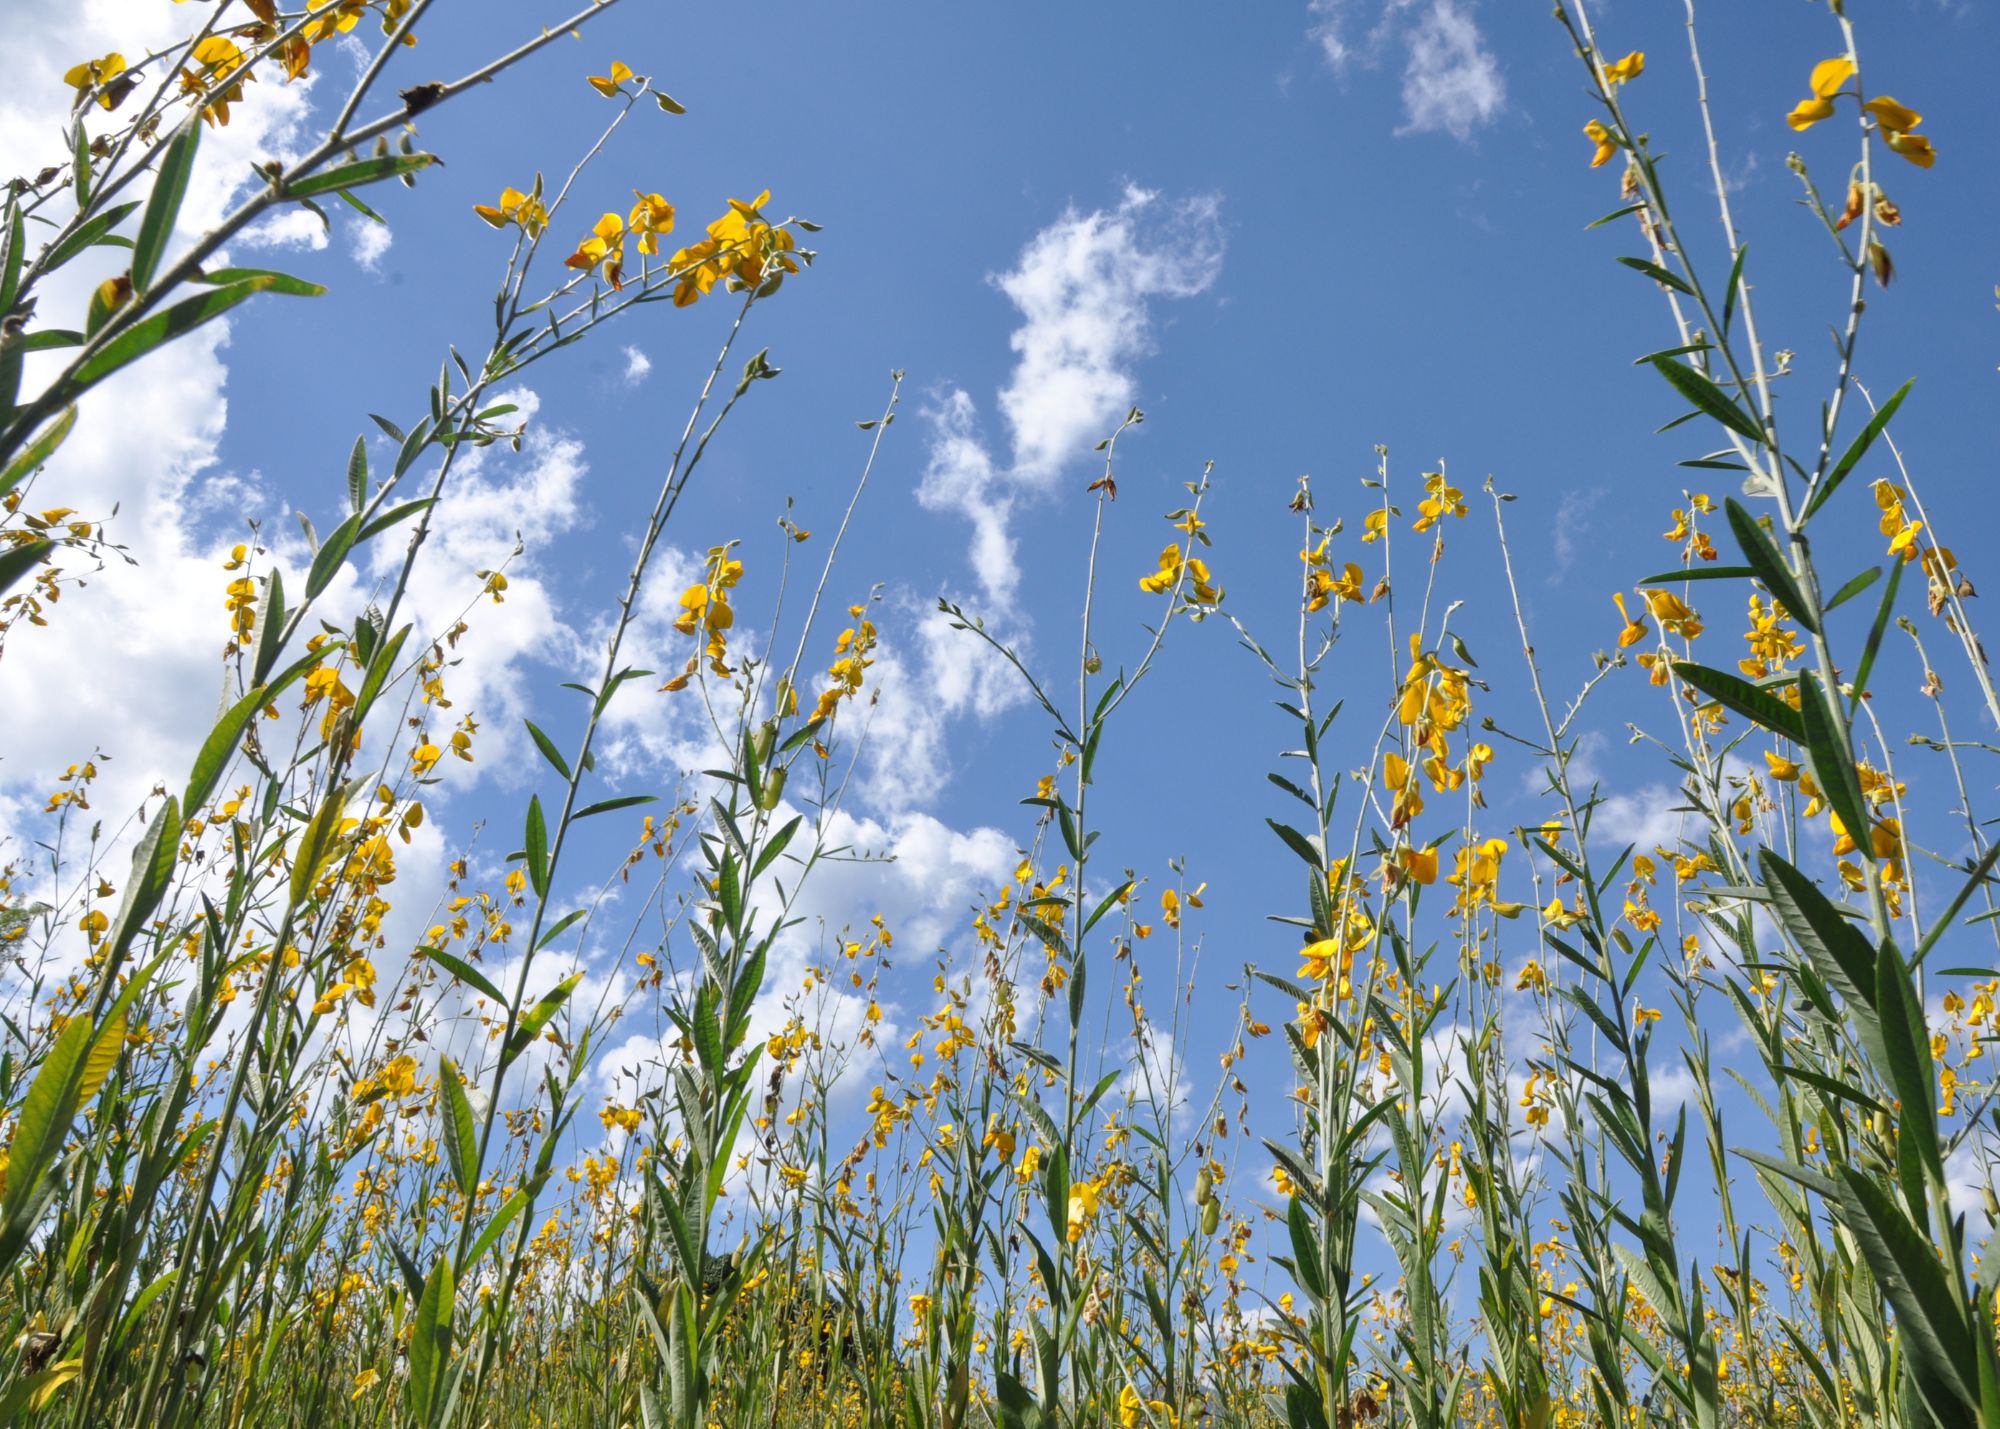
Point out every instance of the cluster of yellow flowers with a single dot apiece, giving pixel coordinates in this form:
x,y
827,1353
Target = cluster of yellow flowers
x,y
1896,121
705,607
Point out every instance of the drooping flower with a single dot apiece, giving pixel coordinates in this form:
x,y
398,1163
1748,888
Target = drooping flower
x,y
1599,135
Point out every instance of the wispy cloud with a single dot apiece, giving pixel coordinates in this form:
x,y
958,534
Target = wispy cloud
x,y
1085,288
1452,83
637,365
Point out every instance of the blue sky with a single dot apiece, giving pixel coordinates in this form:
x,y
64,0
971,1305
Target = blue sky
x,y
1303,230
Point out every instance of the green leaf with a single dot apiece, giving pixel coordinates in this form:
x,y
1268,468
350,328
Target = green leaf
x,y
37,452
1931,1321
538,1016
1748,700
562,925
331,555
461,1132
357,474
161,328
1709,398
17,561
90,231
538,847
219,748
1910,1068
1657,274
314,842
1857,450
1730,293
392,516
1699,573
512,1207
363,171
605,806
155,860
1769,563
1855,586
465,972
549,750
1826,751
283,284
1299,844
271,635
1837,950
45,1115
430,1339
163,206
1873,646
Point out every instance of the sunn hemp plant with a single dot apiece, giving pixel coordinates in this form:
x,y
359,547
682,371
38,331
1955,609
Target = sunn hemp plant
x,y
267,1161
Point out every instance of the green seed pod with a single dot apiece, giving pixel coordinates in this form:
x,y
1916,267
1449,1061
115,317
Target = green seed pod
x,y
1211,1217
762,741
774,790
1204,1187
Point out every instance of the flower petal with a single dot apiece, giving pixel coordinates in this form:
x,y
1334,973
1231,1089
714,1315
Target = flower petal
x,y
1829,75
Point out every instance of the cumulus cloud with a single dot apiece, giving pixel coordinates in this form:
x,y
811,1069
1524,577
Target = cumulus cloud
x,y
637,365
1085,288
367,241
1452,83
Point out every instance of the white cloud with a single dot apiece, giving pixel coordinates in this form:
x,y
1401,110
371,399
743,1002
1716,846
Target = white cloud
x,y
368,241
288,228
637,365
1084,287
1451,81
1651,817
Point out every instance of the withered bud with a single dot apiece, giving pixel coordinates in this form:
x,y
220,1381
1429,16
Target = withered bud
x,y
1855,197
1879,260
1886,212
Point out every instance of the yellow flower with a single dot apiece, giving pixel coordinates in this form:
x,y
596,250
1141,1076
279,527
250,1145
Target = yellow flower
x,y
1600,136
607,84
515,207
651,217
1631,67
1891,115
219,59
1914,147
605,240
1827,78
1133,1411
1083,1198
1419,864
1635,626
98,74
1829,75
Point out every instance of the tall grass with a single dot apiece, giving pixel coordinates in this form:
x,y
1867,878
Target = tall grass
x,y
265,1163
